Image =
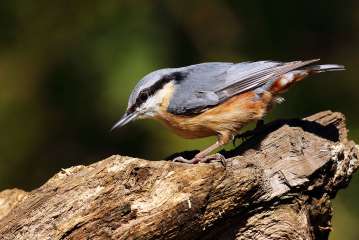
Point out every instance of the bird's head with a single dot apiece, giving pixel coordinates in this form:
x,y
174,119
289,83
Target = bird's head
x,y
148,95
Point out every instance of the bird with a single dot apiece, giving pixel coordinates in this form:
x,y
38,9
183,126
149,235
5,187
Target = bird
x,y
215,98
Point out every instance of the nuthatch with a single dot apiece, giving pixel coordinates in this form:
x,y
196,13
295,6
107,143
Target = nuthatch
x,y
215,98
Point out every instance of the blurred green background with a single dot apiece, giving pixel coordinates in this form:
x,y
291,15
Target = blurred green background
x,y
67,68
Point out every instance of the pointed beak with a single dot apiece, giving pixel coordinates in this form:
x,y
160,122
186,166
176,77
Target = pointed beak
x,y
126,118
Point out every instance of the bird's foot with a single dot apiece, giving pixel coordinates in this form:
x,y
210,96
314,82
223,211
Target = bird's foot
x,y
183,160
207,159
214,158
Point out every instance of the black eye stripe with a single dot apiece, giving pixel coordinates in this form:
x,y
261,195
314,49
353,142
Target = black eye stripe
x,y
148,92
143,96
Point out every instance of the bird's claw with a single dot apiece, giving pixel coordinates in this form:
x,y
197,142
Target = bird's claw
x,y
183,160
213,158
208,159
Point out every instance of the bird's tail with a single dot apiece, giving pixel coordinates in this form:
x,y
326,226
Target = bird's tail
x,y
323,68
287,79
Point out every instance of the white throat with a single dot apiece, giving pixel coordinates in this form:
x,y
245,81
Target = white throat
x,y
152,107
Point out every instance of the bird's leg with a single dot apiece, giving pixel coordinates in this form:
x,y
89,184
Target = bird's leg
x,y
249,133
199,156
204,156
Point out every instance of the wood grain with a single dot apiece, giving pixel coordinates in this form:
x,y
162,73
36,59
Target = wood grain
x,y
276,185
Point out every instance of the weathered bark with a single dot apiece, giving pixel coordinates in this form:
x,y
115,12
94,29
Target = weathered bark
x,y
276,185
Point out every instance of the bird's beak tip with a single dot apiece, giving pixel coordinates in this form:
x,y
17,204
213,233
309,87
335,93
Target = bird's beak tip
x,y
114,127
126,118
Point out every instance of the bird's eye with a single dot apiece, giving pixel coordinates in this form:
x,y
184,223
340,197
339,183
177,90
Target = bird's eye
x,y
143,96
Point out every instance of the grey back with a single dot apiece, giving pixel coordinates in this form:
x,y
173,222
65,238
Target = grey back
x,y
209,84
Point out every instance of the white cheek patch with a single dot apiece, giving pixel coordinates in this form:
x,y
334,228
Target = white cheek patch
x,y
152,106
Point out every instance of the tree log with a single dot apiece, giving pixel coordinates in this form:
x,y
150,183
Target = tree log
x,y
276,185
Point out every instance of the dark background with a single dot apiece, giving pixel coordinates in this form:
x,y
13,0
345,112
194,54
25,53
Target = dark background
x,y
67,68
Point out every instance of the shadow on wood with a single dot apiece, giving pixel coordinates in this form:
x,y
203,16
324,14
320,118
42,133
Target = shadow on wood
x,y
276,185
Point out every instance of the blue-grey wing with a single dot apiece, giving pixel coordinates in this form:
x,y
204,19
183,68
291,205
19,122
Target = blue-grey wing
x,y
195,91
208,84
